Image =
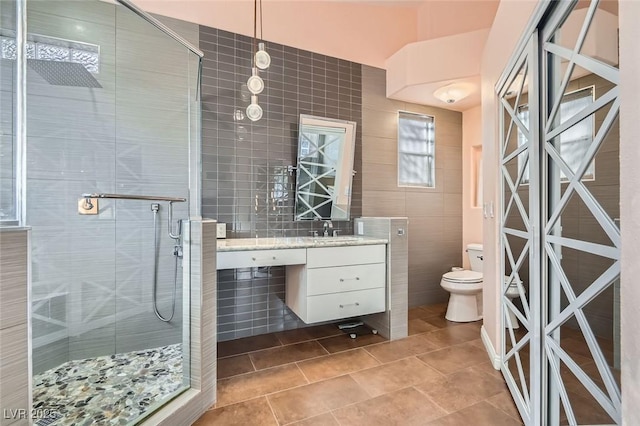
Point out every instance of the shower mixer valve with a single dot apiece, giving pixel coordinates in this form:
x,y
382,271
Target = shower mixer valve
x,y
88,205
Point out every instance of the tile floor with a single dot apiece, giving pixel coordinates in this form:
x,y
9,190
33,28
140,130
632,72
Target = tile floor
x,y
439,375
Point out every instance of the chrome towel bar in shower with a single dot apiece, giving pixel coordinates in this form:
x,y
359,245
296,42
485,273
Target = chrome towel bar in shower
x,y
134,197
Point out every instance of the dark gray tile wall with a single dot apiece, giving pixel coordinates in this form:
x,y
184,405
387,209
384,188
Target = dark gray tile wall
x,y
245,179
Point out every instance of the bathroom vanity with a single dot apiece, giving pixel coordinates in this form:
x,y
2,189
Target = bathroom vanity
x,y
328,278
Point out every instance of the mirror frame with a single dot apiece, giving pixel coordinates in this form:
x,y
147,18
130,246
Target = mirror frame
x,y
340,199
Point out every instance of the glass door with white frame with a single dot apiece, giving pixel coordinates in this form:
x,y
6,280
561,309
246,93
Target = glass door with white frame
x,y
560,229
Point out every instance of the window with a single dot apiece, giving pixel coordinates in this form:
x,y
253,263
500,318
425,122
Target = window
x,y
574,142
416,150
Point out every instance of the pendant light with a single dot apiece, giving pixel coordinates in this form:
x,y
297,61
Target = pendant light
x,y
261,60
254,111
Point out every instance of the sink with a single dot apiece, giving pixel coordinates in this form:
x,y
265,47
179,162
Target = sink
x,y
338,239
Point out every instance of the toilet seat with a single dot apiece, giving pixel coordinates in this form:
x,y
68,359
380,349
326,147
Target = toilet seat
x,y
463,277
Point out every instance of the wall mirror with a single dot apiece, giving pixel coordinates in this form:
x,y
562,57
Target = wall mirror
x,y
325,168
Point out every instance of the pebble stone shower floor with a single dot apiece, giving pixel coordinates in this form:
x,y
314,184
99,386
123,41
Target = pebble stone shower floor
x,y
107,390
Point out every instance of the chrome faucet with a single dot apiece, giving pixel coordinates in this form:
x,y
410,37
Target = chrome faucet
x,y
326,226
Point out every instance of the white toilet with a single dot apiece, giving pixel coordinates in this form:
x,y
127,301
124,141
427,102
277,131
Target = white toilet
x,y
465,287
512,292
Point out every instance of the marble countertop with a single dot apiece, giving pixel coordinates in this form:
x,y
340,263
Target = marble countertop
x,y
242,244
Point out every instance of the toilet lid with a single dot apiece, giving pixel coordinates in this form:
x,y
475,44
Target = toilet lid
x,y
463,276
513,283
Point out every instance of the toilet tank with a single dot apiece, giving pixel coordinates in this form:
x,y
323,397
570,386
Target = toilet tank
x,y
474,251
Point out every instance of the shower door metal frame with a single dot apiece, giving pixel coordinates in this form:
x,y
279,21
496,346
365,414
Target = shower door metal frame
x,y
547,392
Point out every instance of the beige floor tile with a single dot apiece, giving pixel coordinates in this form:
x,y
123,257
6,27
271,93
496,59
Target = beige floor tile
x,y
338,364
247,344
480,414
441,322
325,419
453,335
314,399
504,401
487,368
404,407
286,354
395,375
252,412
308,333
437,309
234,365
587,411
403,348
462,389
418,313
454,358
343,342
417,326
251,385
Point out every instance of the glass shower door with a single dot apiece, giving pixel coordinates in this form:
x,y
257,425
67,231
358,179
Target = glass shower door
x,y
112,112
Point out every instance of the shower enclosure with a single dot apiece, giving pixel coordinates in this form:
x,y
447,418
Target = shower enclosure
x,y
101,155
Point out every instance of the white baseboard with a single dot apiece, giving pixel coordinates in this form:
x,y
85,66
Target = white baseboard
x,y
493,356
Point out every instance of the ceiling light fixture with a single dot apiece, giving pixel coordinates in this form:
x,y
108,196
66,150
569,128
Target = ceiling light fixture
x,y
260,60
453,93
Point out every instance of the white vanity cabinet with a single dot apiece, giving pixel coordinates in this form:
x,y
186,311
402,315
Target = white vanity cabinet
x,y
338,282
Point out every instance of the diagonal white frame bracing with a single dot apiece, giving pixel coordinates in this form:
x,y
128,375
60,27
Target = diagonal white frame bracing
x,y
522,389
515,267
517,102
516,119
575,308
575,182
557,377
515,197
586,112
606,403
539,53
592,65
516,356
571,66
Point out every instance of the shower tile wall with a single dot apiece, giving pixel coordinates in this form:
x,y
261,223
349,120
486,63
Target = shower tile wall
x,y
435,214
126,137
245,180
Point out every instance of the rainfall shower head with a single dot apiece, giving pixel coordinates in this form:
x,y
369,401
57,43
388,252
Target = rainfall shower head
x,y
60,73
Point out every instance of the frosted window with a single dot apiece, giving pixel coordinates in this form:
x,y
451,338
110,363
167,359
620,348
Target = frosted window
x,y
416,150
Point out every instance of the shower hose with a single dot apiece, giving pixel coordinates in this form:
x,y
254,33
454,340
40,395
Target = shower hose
x,y
176,255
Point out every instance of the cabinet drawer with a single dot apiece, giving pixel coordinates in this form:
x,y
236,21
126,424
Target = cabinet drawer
x,y
351,255
345,278
251,258
334,306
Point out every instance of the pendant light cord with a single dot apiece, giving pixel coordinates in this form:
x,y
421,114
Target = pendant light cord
x,y
261,39
255,31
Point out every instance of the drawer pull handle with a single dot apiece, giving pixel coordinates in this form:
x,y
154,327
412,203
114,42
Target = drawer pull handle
x,y
347,279
266,258
349,304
